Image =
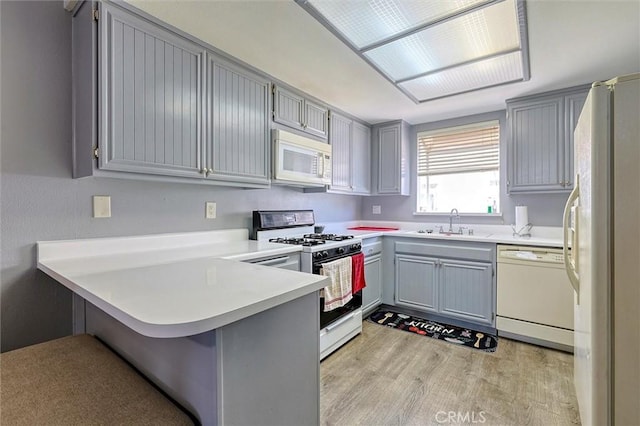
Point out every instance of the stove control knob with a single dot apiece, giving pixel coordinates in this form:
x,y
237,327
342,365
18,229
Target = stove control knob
x,y
317,255
356,247
325,254
340,250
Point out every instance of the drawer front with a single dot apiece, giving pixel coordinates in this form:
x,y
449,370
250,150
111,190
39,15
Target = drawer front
x,y
466,251
371,249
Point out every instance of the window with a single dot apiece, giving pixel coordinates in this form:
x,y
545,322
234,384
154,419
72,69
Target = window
x,y
459,167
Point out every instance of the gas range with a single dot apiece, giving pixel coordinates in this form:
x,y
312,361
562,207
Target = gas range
x,y
338,325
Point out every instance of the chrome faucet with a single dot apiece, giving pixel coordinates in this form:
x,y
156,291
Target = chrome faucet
x,y
451,216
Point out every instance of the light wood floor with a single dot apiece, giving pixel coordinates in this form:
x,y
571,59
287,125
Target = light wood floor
x,y
392,377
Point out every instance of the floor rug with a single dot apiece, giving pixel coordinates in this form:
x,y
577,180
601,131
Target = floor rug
x,y
450,333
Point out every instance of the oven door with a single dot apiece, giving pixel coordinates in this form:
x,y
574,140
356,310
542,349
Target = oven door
x,y
329,317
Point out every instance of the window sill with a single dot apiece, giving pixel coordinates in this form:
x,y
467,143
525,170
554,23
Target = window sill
x,y
499,215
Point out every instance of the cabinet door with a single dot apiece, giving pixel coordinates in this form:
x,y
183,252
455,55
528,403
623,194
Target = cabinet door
x,y
372,293
151,97
536,157
316,119
389,146
340,140
466,290
288,108
573,108
417,282
237,146
361,159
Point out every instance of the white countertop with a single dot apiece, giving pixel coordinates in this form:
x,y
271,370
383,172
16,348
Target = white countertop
x,y
175,285
541,236
172,285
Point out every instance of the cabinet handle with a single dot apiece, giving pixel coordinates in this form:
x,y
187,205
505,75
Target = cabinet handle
x,y
204,172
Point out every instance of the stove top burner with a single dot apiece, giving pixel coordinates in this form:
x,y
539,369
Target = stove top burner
x,y
328,237
308,240
297,241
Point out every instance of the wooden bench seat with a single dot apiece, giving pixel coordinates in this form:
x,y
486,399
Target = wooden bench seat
x,y
78,380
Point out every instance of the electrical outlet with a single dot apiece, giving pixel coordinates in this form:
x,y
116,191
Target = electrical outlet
x,y
210,210
376,210
101,206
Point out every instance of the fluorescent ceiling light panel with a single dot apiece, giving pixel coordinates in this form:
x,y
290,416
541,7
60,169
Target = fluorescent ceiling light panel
x,y
453,45
472,76
367,22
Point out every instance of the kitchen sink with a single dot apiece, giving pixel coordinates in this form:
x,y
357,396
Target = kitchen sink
x,y
435,233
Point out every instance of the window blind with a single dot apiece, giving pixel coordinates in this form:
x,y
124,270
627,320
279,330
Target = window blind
x,y
461,149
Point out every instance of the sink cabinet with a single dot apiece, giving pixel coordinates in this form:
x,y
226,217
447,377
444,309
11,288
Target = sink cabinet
x,y
451,279
417,282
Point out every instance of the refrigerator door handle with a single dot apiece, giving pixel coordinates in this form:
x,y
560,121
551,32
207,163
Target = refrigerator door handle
x,y
568,264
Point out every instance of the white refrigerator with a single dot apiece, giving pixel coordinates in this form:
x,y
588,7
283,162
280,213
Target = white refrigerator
x,y
602,225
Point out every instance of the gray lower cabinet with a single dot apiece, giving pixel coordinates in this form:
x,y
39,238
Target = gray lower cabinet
x,y
449,279
465,291
540,144
372,293
392,162
417,282
295,111
237,146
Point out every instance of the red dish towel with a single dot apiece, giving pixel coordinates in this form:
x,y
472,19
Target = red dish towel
x,y
357,272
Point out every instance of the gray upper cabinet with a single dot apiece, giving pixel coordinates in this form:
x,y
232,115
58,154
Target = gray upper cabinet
x,y
316,119
361,159
341,153
573,107
540,146
151,97
237,147
351,156
295,111
392,149
148,100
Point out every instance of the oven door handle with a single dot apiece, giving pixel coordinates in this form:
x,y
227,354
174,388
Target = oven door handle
x,y
340,322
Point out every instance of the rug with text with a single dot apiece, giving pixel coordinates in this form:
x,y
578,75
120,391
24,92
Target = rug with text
x,y
449,333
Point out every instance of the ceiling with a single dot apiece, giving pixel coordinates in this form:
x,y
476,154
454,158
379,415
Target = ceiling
x,y
570,43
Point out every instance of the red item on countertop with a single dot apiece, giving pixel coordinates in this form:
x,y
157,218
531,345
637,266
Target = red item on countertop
x,y
357,273
372,228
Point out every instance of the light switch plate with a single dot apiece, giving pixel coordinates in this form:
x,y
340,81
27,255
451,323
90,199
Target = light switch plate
x,y
210,210
376,210
101,206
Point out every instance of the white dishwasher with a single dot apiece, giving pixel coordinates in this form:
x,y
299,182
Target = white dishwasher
x,y
535,298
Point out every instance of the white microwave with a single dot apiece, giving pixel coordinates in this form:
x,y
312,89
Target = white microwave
x,y
300,160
